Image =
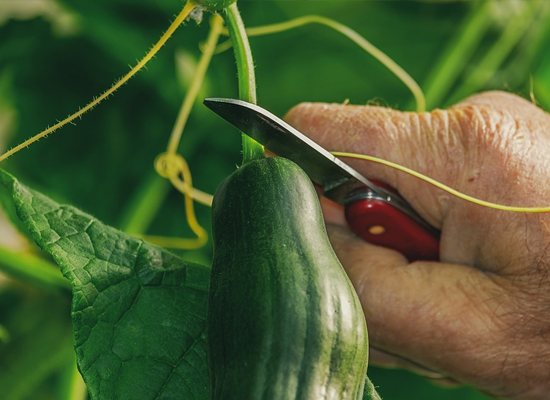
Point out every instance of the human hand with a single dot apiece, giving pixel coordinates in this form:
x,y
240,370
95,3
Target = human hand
x,y
481,316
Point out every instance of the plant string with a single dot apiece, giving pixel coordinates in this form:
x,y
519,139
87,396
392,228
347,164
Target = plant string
x,y
189,6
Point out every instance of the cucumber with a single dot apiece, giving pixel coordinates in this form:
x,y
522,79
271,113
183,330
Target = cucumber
x,y
284,320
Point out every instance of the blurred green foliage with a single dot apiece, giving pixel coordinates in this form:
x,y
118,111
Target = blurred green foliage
x,y
57,55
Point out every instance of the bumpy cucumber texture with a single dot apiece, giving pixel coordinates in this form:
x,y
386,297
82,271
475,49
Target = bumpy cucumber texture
x,y
284,320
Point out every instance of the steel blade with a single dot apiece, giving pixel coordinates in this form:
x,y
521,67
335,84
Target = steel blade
x,y
337,178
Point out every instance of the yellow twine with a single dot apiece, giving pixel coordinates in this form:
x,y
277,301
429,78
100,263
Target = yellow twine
x,y
442,186
189,6
395,68
175,168
216,26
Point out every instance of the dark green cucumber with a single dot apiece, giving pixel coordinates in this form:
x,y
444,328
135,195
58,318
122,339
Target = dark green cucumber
x,y
284,320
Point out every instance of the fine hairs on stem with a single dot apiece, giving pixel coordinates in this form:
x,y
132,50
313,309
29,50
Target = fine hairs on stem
x,y
181,177
245,72
189,6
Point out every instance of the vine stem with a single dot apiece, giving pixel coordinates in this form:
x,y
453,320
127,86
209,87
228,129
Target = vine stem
x,y
245,67
355,37
172,166
189,6
148,199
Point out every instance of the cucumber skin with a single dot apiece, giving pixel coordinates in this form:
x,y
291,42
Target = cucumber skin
x,y
284,320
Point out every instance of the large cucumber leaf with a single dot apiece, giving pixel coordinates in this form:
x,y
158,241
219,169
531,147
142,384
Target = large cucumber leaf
x,y
138,311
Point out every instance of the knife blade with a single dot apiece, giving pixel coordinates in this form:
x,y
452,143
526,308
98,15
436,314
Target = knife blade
x,y
340,182
337,178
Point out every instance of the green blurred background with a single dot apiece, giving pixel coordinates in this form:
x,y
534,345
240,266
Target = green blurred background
x,y
55,56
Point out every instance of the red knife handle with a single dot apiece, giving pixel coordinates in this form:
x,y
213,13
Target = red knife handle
x,y
380,223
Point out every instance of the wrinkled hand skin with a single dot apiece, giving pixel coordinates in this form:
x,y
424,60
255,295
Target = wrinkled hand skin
x,y
482,315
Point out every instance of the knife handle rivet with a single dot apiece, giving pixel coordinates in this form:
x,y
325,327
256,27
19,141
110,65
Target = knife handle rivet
x,y
377,230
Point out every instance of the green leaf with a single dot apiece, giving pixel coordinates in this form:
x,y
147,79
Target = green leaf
x,y
138,311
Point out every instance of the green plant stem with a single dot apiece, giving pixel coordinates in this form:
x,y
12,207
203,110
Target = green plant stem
x,y
119,83
498,53
245,67
354,37
145,204
32,269
453,60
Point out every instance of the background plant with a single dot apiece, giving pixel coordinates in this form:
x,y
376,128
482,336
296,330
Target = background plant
x,y
54,56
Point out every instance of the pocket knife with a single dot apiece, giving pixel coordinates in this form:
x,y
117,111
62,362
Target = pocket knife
x,y
374,211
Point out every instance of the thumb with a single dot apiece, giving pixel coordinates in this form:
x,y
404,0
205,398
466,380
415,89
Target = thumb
x,y
472,319
410,139
452,146
445,318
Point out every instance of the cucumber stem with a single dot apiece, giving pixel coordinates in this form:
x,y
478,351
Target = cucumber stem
x,y
245,68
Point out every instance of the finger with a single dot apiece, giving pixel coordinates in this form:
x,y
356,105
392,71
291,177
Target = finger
x,y
493,146
469,147
449,319
333,212
405,138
